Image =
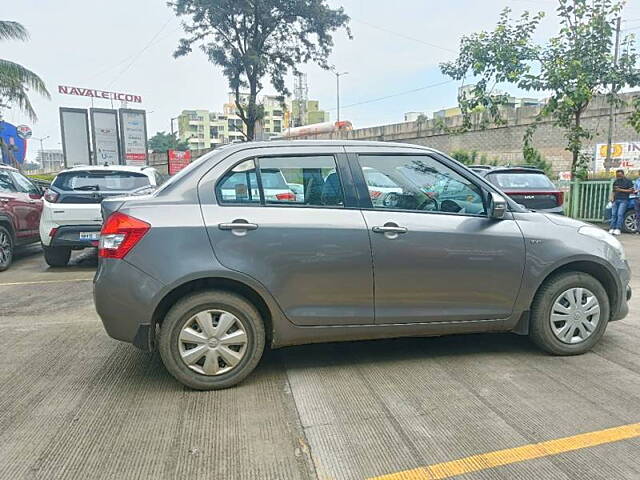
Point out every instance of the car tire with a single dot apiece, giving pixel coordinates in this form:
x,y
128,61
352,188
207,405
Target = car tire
x,y
629,223
6,248
544,305
172,348
57,256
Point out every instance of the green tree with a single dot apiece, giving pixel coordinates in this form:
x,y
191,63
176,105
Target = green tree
x,y
574,66
161,142
254,39
15,80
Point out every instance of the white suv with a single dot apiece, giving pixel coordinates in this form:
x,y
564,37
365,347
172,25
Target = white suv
x,y
71,218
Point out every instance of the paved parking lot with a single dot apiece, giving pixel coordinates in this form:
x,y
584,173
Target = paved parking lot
x,y
76,404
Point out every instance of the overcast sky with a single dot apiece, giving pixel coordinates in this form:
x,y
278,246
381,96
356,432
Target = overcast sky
x,y
127,46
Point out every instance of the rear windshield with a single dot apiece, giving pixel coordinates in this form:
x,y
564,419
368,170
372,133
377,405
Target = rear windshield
x,y
520,180
103,180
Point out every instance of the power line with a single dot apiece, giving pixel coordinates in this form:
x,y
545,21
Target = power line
x,y
403,35
135,58
395,95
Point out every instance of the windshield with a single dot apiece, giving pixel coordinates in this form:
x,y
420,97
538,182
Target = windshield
x,y
520,180
102,180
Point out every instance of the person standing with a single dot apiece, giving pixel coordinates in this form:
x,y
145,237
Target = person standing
x,y
636,201
622,189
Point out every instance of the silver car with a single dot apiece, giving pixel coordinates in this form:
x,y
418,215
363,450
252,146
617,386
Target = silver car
x,y
212,268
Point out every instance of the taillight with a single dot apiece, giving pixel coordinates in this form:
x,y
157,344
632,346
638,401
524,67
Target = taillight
x,y
119,234
51,196
286,197
374,194
53,232
559,197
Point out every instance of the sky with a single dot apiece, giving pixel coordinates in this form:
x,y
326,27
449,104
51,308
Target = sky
x,y
127,45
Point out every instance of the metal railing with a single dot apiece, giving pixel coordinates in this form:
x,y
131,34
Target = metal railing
x,y
586,199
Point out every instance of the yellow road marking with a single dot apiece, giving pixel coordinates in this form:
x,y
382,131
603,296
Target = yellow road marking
x,y
39,282
519,454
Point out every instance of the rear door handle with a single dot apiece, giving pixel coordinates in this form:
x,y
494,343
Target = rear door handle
x,y
386,229
237,226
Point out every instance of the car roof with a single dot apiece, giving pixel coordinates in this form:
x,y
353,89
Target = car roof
x,y
97,168
236,147
8,167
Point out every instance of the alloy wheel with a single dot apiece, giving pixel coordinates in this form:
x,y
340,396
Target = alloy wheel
x,y
575,315
212,342
5,248
630,223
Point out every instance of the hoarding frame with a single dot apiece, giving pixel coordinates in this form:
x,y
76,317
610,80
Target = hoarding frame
x,y
123,153
86,115
113,111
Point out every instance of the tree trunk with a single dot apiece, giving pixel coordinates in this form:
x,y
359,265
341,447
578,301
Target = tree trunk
x,y
575,148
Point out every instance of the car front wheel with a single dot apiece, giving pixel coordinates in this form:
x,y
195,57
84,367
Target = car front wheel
x,y
57,256
6,249
211,340
569,314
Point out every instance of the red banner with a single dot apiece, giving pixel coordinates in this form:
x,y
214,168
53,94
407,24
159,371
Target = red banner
x,y
178,160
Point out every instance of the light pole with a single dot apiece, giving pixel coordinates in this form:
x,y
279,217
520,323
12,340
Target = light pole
x,y
42,139
338,75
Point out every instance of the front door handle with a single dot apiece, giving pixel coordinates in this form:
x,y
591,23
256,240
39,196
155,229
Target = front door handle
x,y
238,225
389,229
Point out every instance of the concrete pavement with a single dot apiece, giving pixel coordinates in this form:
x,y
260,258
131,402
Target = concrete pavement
x,y
76,404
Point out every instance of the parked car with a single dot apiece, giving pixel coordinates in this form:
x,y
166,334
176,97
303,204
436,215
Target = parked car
x,y
210,278
20,210
527,186
629,224
71,217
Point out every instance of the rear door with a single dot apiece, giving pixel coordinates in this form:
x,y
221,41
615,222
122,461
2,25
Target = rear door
x,y
311,251
29,204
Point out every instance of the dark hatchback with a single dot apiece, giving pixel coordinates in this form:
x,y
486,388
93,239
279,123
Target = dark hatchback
x,y
527,186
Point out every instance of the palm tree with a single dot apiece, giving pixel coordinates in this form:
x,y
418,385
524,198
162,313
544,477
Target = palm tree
x,y
15,80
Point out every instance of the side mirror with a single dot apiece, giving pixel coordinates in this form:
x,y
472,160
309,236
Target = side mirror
x,y
497,206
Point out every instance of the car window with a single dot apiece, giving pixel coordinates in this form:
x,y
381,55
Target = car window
x,y
24,184
239,185
101,180
316,174
420,183
520,180
6,185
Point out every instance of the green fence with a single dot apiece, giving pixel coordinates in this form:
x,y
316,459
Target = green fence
x,y
587,199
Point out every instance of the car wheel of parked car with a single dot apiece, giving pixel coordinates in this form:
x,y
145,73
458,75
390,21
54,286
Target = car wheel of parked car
x,y
569,314
629,225
6,248
57,256
211,340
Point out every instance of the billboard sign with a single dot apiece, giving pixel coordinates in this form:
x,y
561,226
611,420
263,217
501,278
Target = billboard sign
x,y
178,160
104,134
100,94
74,127
13,147
624,155
133,136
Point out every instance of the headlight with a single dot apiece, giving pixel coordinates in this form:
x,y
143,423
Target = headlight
x,y
612,241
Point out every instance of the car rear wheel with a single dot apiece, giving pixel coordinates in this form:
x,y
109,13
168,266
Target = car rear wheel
x,y
569,314
57,256
6,249
629,225
211,340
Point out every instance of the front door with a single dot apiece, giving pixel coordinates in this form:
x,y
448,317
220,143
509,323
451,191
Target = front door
x,y
308,249
437,257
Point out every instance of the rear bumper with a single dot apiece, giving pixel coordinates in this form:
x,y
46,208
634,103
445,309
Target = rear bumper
x,y
69,236
124,297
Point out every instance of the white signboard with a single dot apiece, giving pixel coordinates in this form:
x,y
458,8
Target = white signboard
x,y
104,131
133,135
624,155
74,126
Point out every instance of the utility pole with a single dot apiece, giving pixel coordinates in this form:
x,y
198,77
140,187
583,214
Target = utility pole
x,y
338,75
42,139
608,161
